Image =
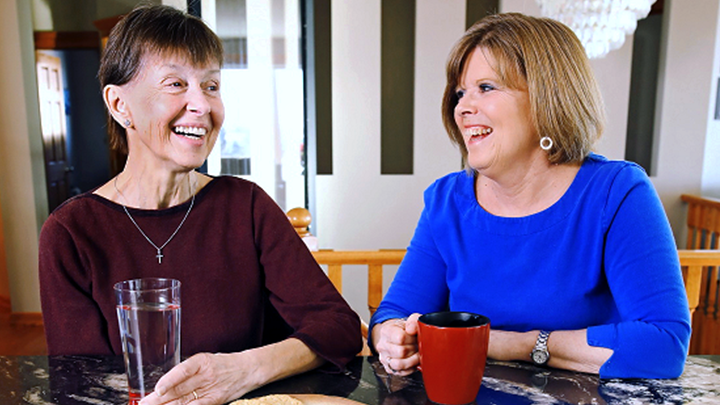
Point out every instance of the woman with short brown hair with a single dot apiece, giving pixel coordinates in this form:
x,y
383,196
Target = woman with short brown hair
x,y
256,306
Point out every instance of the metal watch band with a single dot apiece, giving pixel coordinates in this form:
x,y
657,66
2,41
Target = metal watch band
x,y
542,339
540,354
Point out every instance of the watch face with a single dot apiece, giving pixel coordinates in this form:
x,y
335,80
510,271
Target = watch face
x,y
540,357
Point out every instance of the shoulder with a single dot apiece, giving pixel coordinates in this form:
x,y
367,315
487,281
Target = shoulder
x,y
614,175
454,190
77,206
236,193
73,215
232,188
601,166
230,183
611,182
453,182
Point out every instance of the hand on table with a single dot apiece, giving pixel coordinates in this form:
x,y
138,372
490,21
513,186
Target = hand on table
x,y
213,378
396,344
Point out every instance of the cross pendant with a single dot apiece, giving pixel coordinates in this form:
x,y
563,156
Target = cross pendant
x,y
159,256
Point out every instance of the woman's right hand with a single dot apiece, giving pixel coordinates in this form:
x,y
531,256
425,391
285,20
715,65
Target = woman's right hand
x,y
396,343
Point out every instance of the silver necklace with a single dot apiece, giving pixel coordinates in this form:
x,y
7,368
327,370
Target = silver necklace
x,y
159,249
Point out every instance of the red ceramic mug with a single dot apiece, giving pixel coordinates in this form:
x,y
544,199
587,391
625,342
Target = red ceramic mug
x,y
453,350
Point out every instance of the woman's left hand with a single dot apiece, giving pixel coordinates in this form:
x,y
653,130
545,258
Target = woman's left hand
x,y
205,379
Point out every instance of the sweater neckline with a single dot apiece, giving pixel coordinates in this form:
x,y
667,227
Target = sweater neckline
x,y
156,212
534,222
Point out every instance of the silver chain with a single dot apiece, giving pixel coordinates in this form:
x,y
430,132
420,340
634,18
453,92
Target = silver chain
x,y
159,249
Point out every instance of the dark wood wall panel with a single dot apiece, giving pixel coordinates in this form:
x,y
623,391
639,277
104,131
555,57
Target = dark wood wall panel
x,y
477,9
323,85
397,86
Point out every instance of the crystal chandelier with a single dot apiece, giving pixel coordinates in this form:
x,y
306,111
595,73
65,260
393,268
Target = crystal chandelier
x,y
601,25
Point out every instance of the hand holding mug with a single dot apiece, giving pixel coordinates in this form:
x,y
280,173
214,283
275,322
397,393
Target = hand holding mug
x,y
397,346
453,350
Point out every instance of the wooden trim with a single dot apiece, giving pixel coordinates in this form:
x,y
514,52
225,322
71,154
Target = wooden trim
x,y
359,256
335,275
105,25
699,257
67,40
704,201
26,318
5,305
375,287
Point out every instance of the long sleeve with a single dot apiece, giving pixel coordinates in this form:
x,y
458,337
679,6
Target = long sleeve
x,y
419,284
601,258
66,296
643,274
299,289
246,277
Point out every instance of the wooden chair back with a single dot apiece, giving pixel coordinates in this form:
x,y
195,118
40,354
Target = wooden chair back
x,y
703,222
703,227
375,260
699,267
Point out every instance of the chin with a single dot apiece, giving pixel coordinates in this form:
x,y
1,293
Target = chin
x,y
191,164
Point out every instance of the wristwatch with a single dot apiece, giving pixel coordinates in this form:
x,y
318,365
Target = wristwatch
x,y
540,354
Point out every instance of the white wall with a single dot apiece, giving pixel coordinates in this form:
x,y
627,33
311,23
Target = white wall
x,y
357,207
613,76
22,183
711,171
686,86
686,89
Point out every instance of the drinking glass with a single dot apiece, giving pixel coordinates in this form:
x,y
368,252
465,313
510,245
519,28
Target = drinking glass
x,y
148,311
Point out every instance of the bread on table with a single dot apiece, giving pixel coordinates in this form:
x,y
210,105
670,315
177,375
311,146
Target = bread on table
x,y
269,400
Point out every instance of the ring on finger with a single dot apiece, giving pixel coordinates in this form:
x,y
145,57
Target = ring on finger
x,y
195,395
389,366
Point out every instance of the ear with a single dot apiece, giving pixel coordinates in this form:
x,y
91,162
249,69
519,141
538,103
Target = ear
x,y
114,98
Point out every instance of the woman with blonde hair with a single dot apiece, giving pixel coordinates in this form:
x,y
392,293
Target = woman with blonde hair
x,y
569,254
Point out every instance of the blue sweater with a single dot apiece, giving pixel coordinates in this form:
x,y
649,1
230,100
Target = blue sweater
x,y
602,258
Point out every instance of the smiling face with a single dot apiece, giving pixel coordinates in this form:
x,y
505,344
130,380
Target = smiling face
x,y
494,119
175,112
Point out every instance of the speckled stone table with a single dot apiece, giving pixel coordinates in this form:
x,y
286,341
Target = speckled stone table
x,y
74,380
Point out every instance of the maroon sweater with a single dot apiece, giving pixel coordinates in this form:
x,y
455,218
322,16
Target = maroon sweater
x,y
247,278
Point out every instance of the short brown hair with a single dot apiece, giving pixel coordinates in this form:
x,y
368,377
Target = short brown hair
x,y
544,57
158,29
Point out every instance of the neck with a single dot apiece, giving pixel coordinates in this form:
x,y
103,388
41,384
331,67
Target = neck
x,y
533,191
148,190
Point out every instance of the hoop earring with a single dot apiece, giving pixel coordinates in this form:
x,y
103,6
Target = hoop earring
x,y
546,143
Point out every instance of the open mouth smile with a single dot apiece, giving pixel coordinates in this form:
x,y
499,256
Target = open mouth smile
x,y
190,132
476,133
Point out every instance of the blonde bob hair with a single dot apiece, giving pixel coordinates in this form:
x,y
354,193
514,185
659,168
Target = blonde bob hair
x,y
544,57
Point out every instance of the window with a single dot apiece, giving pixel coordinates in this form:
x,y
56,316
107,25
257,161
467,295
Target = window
x,y
262,138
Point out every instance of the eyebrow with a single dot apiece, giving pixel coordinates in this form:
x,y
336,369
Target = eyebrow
x,y
177,67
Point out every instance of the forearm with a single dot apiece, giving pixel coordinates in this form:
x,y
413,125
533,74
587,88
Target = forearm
x,y
283,359
568,349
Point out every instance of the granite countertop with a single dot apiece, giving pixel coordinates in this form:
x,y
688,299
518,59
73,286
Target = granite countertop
x,y
78,380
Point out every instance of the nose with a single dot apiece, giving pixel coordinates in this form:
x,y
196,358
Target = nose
x,y
465,106
197,102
